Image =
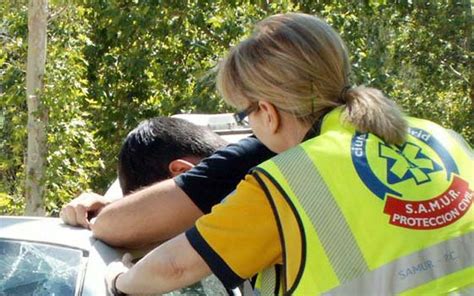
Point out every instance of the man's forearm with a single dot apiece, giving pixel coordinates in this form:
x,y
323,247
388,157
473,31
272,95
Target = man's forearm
x,y
173,265
149,216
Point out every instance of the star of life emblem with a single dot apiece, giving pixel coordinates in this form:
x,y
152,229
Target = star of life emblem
x,y
398,175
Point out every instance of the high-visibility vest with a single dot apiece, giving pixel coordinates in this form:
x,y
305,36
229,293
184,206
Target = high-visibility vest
x,y
368,218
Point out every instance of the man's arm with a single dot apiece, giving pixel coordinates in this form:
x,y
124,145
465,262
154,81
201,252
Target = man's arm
x,y
152,215
173,265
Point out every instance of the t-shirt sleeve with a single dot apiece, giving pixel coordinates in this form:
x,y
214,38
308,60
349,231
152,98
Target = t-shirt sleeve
x,y
240,236
209,182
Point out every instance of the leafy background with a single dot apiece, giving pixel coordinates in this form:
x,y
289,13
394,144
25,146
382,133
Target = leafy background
x,y
111,64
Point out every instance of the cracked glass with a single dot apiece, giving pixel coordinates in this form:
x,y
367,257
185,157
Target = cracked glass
x,y
28,268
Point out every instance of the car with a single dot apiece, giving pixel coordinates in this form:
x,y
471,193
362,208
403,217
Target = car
x,y
42,256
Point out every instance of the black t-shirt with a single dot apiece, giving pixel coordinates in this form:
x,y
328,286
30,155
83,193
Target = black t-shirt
x,y
216,176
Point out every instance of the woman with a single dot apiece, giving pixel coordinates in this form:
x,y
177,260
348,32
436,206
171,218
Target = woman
x,y
360,199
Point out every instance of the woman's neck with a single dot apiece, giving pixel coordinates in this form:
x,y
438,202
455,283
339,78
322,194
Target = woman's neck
x,y
292,132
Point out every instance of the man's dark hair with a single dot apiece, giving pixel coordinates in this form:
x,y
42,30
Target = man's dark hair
x,y
150,147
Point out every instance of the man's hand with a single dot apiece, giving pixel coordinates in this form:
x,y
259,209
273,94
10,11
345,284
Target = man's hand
x,y
82,208
114,270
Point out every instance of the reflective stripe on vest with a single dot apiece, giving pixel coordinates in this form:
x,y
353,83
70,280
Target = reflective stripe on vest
x,y
292,171
436,263
331,226
268,282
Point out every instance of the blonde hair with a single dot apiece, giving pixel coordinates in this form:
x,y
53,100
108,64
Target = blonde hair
x,y
301,65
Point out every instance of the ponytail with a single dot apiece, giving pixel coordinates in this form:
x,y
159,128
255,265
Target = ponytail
x,y
370,111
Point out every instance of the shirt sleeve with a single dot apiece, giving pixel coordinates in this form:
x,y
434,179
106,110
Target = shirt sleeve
x,y
240,236
209,182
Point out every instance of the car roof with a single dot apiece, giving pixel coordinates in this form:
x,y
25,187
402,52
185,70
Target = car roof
x,y
222,124
46,230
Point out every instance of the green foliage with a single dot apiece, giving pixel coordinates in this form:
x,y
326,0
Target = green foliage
x,y
420,57
74,158
113,63
13,112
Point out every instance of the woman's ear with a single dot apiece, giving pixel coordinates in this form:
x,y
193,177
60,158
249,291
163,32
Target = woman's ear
x,y
179,166
270,115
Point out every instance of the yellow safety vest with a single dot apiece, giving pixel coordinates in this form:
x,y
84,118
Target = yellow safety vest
x,y
372,218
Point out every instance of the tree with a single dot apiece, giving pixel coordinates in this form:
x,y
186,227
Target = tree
x,y
37,113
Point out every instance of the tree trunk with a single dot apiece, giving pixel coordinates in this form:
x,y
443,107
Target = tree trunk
x,y
37,113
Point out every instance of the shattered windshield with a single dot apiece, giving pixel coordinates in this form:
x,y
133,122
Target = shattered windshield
x,y
28,268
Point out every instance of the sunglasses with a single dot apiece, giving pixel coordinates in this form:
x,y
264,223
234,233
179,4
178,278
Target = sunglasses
x,y
240,116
